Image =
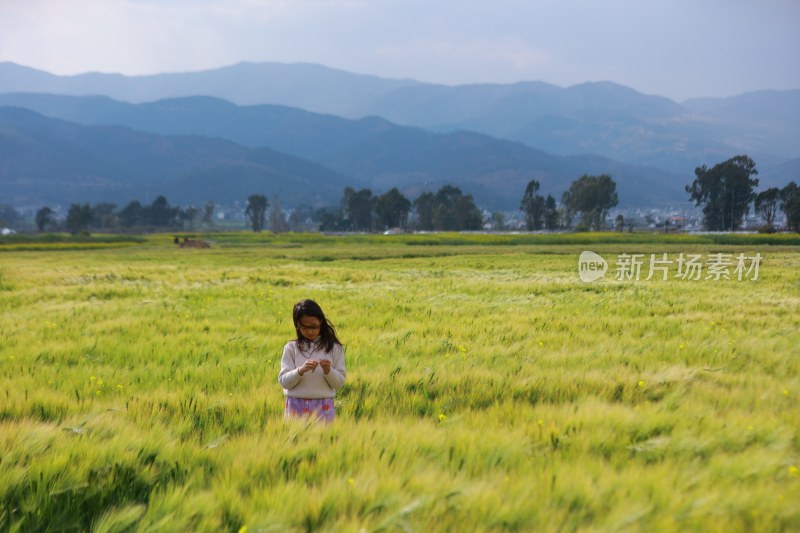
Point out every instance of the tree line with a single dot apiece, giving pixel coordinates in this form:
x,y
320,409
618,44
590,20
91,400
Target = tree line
x,y
449,209
104,216
589,198
725,193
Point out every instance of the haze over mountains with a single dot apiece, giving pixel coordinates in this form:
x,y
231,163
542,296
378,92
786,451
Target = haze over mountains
x,y
371,150
523,131
52,161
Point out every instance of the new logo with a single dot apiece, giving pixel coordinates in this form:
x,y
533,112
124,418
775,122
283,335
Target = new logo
x,y
591,266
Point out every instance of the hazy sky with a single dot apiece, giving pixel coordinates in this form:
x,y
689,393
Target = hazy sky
x,y
674,48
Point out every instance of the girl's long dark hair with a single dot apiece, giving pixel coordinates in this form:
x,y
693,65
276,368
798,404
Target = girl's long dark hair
x,y
327,333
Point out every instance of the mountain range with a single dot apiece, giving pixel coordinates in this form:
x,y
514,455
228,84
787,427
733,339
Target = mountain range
x,y
157,138
46,160
489,139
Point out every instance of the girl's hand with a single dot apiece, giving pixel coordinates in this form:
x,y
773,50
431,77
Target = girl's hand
x,y
326,365
308,366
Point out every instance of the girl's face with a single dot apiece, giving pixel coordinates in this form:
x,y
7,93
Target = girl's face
x,y
309,327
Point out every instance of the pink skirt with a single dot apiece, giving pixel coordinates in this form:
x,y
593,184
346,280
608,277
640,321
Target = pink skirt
x,y
322,408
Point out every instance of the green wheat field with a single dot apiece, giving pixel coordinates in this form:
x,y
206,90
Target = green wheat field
x,y
488,389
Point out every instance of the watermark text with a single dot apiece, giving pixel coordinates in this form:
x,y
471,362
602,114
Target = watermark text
x,y
663,266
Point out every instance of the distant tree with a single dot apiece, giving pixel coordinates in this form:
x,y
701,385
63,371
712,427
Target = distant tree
x,y
392,209
256,210
591,197
188,217
447,210
790,205
468,215
103,216
132,215
44,217
550,213
444,214
766,204
619,223
424,206
277,218
161,215
79,217
454,211
331,219
208,215
533,205
725,191
9,216
358,208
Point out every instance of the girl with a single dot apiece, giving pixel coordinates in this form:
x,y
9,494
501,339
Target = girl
x,y
312,366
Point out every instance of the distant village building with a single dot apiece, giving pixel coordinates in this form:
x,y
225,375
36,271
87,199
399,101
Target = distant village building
x,y
677,221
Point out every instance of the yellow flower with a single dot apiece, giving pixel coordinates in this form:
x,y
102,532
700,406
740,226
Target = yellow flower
x,y
793,471
786,392
641,384
243,529
351,481
442,417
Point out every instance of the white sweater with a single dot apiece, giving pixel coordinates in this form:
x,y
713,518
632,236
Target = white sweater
x,y
312,384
